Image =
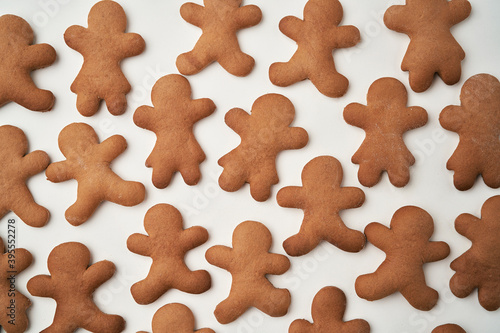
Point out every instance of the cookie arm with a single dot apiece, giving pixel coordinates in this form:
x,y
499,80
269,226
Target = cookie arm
x,y
59,172
451,118
296,138
397,18
39,56
76,36
248,16
97,274
237,119
112,147
356,114
465,224
220,256
458,10
139,244
193,237
291,197
193,13
276,264
36,162
201,108
352,197
291,27
414,117
145,117
23,260
41,285
345,36
379,235
132,44
436,251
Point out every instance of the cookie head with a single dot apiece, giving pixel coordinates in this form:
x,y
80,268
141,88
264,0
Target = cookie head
x,y
76,138
7,148
331,174
250,230
100,14
170,88
481,92
491,209
68,258
324,11
18,30
422,224
282,113
158,213
377,93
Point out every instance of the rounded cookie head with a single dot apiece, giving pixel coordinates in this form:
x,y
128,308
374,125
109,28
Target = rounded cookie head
x,y
16,28
449,328
76,138
16,145
170,88
283,109
422,223
324,11
100,14
70,259
481,92
249,230
175,318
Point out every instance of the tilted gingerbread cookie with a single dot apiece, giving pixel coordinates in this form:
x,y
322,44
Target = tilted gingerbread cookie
x,y
13,318
88,162
407,247
385,119
71,283
167,243
175,318
448,328
103,45
264,133
432,49
172,119
479,267
322,198
249,261
219,22
17,167
477,122
317,36
18,57
327,311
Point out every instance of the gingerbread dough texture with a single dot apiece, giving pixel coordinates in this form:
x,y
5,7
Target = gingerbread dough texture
x,y
17,167
432,48
88,162
18,58
407,247
103,45
477,122
12,262
172,119
449,328
327,311
71,283
317,36
167,243
264,133
249,261
175,318
479,267
219,21
385,119
322,198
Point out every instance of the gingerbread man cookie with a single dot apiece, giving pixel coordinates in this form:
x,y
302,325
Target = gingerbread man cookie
x,y
448,328
167,243
172,119
479,267
17,167
385,119
264,133
249,261
88,162
175,318
432,49
103,45
219,21
322,198
18,57
71,283
317,35
407,247
327,311
13,318
477,122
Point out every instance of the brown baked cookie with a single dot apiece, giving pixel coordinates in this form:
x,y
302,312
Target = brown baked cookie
x,y
175,318
167,243
327,311
317,35
479,267
407,247
322,198
18,58
88,162
172,119
477,122
103,45
13,318
249,261
264,133
219,22
71,283
432,47
17,167
448,328
385,119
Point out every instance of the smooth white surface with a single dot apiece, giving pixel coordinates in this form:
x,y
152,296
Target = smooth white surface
x,y
167,35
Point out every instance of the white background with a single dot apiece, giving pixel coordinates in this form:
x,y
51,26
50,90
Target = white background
x,y
167,35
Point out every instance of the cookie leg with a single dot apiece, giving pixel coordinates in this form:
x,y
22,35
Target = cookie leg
x,y
86,203
461,285
272,301
488,296
116,103
329,82
101,322
420,296
232,178
33,98
376,285
230,309
303,242
260,185
421,79
344,238
87,104
369,174
152,287
236,63
491,176
191,173
28,210
125,193
193,282
450,72
195,61
399,174
60,324
464,177
284,74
